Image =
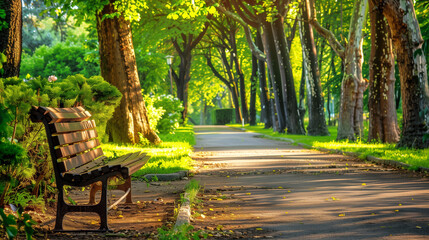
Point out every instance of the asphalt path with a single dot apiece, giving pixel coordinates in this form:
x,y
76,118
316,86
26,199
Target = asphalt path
x,y
289,192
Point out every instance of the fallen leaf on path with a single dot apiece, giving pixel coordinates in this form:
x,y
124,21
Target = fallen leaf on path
x,y
248,193
418,227
211,209
342,215
280,187
396,210
363,184
258,229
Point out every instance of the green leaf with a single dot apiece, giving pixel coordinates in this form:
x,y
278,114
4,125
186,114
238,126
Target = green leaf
x,y
11,232
3,58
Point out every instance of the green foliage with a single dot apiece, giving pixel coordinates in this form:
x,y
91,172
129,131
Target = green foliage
x,y
61,60
3,23
164,112
11,224
172,155
223,116
184,232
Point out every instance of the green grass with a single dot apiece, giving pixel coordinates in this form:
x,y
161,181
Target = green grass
x,y
172,155
414,157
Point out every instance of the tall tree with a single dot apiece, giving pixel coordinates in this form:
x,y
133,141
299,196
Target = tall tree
x,y
184,46
11,37
407,42
228,79
317,123
118,67
383,123
350,122
265,93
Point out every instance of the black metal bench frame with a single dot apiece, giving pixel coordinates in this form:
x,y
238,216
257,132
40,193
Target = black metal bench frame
x,y
79,162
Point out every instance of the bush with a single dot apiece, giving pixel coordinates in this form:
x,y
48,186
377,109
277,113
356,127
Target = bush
x,y
223,116
62,60
28,171
164,111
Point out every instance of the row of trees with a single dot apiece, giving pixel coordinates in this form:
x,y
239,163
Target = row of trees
x,y
214,37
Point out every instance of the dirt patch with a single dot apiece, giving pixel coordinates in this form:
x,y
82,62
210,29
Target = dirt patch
x,y
153,207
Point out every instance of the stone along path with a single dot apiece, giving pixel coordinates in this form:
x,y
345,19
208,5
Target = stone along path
x,y
260,188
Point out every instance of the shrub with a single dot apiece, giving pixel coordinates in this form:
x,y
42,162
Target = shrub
x,y
165,112
223,116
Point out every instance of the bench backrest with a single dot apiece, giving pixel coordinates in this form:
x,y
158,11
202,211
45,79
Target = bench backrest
x,y
72,137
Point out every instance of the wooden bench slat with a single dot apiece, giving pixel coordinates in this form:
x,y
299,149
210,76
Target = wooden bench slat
x,y
65,127
61,110
55,117
74,137
79,160
87,168
135,166
76,148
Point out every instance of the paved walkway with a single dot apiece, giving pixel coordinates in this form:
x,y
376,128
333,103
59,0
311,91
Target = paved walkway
x,y
287,192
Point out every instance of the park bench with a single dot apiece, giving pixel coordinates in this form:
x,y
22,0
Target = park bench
x,y
79,161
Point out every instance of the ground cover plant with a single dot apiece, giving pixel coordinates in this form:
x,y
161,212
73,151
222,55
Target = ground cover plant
x,y
414,157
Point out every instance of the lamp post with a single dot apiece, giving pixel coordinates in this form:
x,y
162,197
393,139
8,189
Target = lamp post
x,y
169,63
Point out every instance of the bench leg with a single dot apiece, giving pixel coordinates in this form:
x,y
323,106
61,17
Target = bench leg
x,y
61,209
100,208
95,187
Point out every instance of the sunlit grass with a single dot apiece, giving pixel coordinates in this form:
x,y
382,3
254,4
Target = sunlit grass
x,y
414,157
172,155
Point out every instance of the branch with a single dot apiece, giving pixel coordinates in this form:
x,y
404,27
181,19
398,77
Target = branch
x,y
328,35
255,51
200,36
215,72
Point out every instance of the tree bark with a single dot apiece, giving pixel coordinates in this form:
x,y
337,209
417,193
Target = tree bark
x,y
317,123
383,123
407,41
274,71
11,38
350,122
118,67
290,103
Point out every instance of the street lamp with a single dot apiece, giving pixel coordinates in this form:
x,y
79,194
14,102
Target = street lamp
x,y
169,63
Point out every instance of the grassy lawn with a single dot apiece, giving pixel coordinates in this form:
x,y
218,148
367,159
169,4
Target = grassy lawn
x,y
414,157
172,155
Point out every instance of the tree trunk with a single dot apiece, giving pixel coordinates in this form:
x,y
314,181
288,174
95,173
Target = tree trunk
x,y
275,78
182,80
232,86
350,122
11,38
301,106
407,41
294,125
189,42
253,81
317,123
239,72
383,124
118,67
265,98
